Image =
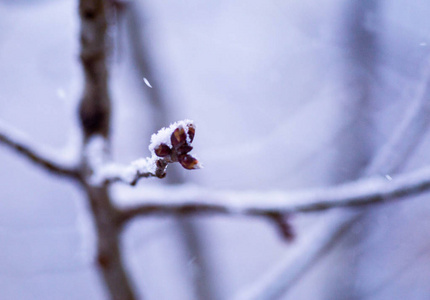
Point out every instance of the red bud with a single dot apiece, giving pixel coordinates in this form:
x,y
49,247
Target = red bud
x,y
191,132
184,149
162,150
178,137
188,162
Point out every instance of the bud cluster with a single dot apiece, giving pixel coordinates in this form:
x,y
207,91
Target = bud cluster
x,y
180,146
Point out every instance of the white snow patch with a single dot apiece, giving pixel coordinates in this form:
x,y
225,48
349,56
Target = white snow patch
x,y
96,151
124,173
145,165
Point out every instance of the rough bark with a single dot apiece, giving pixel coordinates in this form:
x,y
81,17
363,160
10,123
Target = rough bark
x,y
109,258
95,106
94,112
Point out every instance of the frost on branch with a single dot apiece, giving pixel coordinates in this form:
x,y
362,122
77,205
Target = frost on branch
x,y
168,145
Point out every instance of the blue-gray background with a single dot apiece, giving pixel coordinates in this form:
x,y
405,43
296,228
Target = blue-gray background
x,y
285,95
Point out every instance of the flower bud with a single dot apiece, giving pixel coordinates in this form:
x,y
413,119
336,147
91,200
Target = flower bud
x,y
184,149
188,162
191,132
162,150
178,137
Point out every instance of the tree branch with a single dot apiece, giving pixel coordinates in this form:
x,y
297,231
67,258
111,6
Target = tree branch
x,y
17,141
95,112
188,200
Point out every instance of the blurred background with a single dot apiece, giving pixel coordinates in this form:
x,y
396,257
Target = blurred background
x,y
285,94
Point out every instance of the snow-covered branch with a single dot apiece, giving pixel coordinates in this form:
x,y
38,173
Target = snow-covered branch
x,y
168,145
193,200
17,141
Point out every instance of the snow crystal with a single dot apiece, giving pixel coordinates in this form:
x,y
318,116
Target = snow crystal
x,y
163,135
147,82
389,178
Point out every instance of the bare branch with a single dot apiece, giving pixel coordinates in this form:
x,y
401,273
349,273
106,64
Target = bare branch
x,y
408,134
187,200
21,144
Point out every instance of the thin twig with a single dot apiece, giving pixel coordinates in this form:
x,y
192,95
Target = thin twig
x,y
104,172
21,144
301,254
131,174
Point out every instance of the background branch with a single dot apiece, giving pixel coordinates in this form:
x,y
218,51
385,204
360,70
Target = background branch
x,y
172,201
20,143
392,156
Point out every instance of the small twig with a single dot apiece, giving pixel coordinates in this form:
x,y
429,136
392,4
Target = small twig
x,y
301,254
21,144
129,174
283,224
